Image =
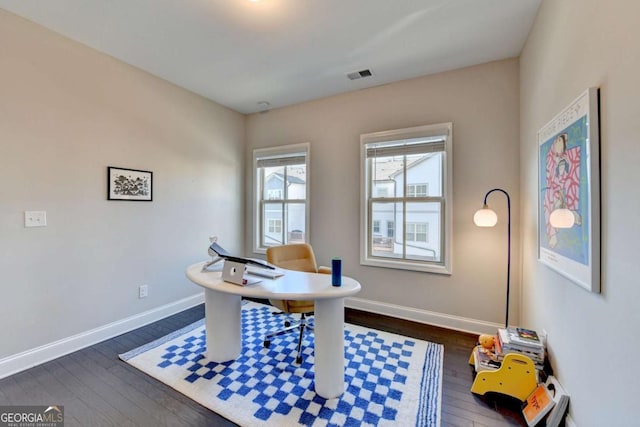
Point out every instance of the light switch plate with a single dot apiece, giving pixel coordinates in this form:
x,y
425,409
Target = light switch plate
x,y
35,219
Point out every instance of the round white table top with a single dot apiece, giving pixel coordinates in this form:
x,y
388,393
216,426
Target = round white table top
x,y
293,285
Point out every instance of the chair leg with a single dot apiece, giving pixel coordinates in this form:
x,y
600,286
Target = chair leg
x,y
302,326
283,331
299,356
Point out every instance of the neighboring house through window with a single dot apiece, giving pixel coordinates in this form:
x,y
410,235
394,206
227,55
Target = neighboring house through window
x,y
281,197
391,226
275,226
406,177
417,232
276,194
417,190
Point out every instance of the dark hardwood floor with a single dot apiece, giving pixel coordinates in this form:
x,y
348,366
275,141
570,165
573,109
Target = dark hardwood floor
x,y
460,407
98,389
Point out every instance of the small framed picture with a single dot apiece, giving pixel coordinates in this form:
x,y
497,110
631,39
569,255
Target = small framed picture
x,y
129,184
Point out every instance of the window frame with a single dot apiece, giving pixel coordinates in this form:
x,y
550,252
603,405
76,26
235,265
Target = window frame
x,y
444,130
281,151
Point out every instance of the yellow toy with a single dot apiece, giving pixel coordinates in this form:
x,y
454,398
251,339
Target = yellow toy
x,y
487,342
487,346
517,377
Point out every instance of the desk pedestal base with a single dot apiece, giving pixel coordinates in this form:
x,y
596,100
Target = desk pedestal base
x,y
224,337
223,326
329,347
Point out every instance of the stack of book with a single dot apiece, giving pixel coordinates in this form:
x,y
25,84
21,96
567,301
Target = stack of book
x,y
510,340
484,360
522,341
546,397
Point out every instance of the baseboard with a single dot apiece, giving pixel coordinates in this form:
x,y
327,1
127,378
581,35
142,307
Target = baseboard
x,y
27,359
462,324
19,362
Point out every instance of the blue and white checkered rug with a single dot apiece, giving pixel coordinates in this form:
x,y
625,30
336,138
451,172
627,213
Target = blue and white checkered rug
x,y
390,379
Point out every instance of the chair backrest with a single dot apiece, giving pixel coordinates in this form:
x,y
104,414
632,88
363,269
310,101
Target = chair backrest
x,y
298,256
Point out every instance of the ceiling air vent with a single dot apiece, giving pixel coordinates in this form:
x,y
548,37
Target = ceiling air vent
x,y
359,74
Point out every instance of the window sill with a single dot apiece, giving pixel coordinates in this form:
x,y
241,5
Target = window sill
x,y
407,265
261,251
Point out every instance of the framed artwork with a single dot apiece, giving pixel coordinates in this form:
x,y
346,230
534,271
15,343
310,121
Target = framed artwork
x,y
129,184
569,188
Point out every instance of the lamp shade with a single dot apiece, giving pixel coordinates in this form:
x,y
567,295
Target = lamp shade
x,y
562,218
485,217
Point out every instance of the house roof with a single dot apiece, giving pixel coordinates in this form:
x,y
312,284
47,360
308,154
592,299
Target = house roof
x,y
292,179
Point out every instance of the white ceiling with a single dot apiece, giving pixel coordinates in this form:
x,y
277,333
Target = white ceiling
x,y
239,52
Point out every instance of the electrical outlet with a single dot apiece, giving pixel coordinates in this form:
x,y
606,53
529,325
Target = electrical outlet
x,y
143,291
35,219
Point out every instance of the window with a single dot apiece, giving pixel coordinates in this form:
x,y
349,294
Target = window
x,y
274,194
274,226
281,188
417,190
391,227
417,232
406,182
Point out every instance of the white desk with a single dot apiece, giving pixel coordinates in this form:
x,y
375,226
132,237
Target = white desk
x,y
223,319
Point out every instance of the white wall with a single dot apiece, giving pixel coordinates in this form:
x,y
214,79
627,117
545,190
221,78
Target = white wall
x,y
593,338
482,102
66,113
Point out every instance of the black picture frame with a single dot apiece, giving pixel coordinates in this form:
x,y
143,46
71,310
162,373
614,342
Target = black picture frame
x,y
129,184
